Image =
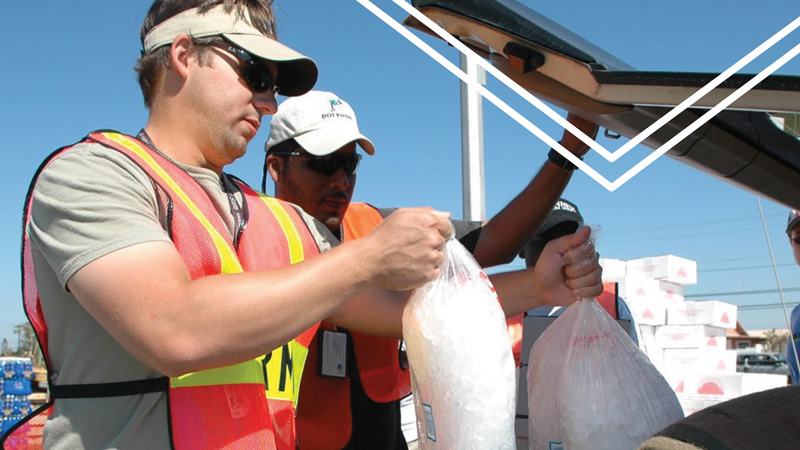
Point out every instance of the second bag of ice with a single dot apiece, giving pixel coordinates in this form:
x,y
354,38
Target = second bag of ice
x,y
591,388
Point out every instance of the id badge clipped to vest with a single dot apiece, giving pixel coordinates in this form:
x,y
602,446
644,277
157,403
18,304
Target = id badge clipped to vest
x,y
333,354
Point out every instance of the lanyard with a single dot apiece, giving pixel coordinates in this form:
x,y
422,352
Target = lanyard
x,y
228,186
239,219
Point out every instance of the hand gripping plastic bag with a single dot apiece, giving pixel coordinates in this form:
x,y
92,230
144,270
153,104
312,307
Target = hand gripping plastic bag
x,y
591,388
462,368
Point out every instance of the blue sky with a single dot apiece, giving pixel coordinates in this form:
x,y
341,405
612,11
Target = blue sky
x,y
68,71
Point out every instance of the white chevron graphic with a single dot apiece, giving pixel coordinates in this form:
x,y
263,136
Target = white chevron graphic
x,y
610,156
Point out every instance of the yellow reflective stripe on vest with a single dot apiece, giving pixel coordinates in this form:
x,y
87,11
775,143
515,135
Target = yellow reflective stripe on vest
x,y
284,368
228,260
292,235
246,372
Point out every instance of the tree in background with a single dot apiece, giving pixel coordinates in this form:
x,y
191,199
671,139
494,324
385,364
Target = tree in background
x,y
773,341
27,345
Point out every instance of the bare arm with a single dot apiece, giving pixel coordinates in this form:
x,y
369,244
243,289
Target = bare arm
x,y
568,270
143,295
508,231
374,311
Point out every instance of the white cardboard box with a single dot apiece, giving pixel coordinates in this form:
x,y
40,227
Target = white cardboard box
x,y
669,268
647,342
640,288
690,336
613,269
700,360
713,313
728,385
673,292
692,404
648,311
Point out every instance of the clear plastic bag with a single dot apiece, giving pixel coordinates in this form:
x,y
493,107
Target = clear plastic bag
x,y
462,368
590,387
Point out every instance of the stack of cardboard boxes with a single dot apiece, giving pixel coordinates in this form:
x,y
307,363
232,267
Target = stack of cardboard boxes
x,y
685,340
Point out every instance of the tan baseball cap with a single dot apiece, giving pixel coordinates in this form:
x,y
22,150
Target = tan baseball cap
x,y
319,121
297,73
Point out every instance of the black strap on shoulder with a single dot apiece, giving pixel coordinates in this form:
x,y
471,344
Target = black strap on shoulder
x,y
118,389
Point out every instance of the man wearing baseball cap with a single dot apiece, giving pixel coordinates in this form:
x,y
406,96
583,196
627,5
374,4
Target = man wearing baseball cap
x,y
162,290
312,158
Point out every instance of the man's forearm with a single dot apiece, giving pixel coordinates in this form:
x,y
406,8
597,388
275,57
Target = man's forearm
x,y
374,311
508,231
178,325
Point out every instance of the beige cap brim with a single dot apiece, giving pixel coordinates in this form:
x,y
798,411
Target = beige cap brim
x,y
297,73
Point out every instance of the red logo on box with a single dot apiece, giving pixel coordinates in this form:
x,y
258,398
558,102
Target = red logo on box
x,y
711,388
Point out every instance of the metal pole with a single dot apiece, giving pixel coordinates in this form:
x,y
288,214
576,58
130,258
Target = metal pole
x,y
472,174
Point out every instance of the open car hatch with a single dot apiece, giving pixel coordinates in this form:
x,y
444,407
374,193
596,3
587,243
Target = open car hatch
x,y
742,145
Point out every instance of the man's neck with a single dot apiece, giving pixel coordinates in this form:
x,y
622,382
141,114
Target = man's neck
x,y
177,144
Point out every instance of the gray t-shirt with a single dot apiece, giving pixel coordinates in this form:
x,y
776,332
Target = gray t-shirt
x,y
87,203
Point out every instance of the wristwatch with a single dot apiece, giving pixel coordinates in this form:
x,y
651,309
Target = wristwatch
x,y
560,161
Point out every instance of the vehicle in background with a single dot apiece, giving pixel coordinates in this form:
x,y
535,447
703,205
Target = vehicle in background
x,y
761,362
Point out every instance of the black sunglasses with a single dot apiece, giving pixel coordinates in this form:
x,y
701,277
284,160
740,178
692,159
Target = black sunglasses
x,y
329,164
255,73
795,239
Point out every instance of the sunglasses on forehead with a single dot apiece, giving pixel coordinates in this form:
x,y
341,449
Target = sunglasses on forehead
x,y
329,164
254,72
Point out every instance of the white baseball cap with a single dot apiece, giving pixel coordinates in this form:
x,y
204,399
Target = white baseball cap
x,y
319,121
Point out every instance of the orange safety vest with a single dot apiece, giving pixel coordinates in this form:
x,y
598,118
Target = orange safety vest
x,y
609,298
324,418
216,408
515,326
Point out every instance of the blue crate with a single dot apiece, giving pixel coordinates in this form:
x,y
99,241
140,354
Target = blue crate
x,y
7,406
27,369
15,368
17,387
8,368
9,422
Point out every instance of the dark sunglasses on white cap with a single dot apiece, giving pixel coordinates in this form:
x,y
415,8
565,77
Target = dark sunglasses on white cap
x,y
327,165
